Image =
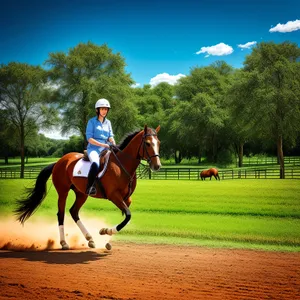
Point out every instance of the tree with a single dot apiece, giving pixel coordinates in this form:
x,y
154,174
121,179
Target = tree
x,y
23,96
83,75
204,112
240,127
8,137
272,77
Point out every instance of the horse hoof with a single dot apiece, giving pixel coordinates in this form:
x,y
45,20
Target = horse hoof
x,y
108,246
104,231
64,245
92,244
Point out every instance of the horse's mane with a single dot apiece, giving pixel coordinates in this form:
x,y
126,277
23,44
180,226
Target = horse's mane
x,y
127,139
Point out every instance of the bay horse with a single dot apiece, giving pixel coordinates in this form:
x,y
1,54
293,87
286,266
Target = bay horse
x,y
209,173
117,183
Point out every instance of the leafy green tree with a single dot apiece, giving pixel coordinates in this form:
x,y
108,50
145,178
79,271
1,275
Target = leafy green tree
x,y
240,128
205,110
24,95
272,79
74,144
8,138
154,105
82,76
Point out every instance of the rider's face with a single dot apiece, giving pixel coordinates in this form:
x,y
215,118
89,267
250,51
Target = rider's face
x,y
103,111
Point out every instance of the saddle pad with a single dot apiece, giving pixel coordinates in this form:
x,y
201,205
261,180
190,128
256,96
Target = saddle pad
x,y
82,169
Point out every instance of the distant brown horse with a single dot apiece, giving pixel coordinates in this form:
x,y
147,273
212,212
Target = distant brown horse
x,y
117,183
209,173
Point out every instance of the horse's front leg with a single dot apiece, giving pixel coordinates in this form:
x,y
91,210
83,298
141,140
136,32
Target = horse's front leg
x,y
124,207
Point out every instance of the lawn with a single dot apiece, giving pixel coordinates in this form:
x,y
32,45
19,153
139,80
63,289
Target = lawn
x,y
250,214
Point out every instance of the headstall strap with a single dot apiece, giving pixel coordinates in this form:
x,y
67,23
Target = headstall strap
x,y
145,149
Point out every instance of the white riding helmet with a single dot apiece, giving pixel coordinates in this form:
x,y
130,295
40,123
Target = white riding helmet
x,y
102,103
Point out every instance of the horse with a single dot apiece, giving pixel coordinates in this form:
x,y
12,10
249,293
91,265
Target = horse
x,y
209,173
117,184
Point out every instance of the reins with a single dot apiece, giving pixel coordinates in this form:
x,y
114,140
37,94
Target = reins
x,y
139,157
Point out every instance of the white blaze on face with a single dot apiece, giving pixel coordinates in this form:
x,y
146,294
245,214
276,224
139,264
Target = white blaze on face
x,y
153,142
155,146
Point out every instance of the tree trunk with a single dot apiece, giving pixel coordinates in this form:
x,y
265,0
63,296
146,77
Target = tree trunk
x,y
241,154
22,154
199,156
214,149
178,157
280,156
6,160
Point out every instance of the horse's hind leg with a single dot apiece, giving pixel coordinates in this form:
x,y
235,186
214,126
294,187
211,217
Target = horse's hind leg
x,y
61,217
74,211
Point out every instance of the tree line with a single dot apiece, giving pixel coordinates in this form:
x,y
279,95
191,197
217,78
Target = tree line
x,y
216,111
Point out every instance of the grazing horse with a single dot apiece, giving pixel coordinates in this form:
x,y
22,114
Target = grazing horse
x,y
209,173
116,184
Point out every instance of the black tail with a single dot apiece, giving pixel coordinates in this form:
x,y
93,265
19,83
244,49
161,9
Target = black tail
x,y
28,205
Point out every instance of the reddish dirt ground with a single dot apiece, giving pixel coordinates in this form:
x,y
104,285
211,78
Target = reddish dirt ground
x,y
134,271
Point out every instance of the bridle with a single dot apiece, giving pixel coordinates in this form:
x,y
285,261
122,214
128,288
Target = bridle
x,y
139,157
143,142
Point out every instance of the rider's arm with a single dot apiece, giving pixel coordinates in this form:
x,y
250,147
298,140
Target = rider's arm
x,y
94,142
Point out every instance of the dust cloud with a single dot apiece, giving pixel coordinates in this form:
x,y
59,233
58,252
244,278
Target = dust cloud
x,y
41,235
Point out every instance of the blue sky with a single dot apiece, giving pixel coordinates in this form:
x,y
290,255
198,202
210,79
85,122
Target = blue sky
x,y
158,39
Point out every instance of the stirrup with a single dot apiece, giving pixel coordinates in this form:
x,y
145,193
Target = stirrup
x,y
91,191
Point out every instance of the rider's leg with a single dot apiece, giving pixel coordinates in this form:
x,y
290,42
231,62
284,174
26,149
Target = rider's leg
x,y
94,158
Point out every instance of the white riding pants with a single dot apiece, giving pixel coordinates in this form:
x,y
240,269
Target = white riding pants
x,y
94,157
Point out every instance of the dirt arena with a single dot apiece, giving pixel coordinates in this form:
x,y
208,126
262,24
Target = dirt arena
x,y
134,271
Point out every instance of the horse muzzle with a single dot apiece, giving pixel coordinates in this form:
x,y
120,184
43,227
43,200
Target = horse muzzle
x,y
154,163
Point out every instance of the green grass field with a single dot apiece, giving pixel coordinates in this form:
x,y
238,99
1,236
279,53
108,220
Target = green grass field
x,y
250,214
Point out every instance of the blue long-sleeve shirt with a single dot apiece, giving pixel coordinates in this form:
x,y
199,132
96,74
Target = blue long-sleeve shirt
x,y
101,132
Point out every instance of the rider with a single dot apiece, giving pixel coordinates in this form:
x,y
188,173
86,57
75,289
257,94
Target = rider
x,y
99,134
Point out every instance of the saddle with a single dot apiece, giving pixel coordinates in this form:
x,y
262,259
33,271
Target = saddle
x,y
82,167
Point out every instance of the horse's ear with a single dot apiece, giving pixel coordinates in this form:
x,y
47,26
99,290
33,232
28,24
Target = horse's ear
x,y
145,129
157,129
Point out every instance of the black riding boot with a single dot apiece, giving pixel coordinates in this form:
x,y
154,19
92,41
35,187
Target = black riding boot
x,y
90,188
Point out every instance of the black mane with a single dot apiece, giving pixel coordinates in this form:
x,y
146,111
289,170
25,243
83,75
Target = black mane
x,y
127,139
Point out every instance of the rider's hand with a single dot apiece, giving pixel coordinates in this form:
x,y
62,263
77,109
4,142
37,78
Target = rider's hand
x,y
113,147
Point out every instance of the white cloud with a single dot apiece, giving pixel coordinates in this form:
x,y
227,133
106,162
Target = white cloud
x,y
247,45
218,50
288,27
165,77
135,85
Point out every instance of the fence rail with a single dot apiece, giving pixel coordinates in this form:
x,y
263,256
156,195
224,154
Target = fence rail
x,y
254,161
194,174
183,173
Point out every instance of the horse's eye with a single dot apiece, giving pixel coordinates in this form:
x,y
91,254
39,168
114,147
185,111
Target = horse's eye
x,y
148,143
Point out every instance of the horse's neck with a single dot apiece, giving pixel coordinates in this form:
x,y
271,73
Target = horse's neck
x,y
130,154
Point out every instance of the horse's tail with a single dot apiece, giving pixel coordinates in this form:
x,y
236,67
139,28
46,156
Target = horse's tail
x,y
28,205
